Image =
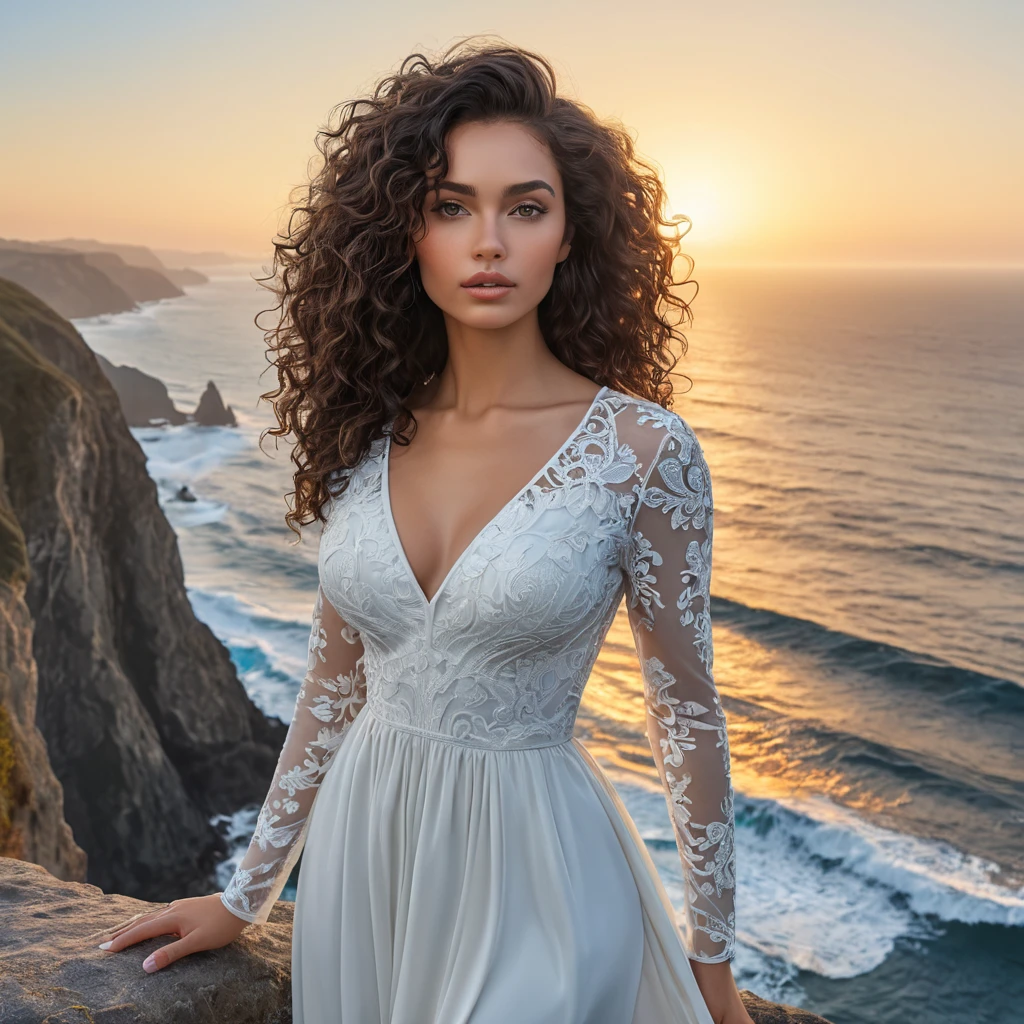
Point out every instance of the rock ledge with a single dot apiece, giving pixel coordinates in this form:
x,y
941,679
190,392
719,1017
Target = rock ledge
x,y
52,971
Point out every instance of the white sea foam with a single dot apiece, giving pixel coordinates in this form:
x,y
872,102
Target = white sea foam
x,y
183,455
237,829
935,877
824,890
269,648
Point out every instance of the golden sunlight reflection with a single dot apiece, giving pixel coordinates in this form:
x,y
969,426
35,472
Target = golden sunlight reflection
x,y
774,754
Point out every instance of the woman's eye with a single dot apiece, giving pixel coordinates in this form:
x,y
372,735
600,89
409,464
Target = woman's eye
x,y
450,210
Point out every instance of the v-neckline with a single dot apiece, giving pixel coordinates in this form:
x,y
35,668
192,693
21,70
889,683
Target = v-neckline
x,y
385,492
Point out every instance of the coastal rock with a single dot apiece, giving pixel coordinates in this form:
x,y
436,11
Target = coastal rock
x,y
65,281
32,825
182,258
53,271
143,398
147,726
211,411
151,285
52,971
134,255
186,276
764,1012
143,284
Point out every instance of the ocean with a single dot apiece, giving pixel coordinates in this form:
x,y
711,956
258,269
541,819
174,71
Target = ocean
x,y
865,433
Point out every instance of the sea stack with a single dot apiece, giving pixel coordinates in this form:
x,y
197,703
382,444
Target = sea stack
x,y
211,411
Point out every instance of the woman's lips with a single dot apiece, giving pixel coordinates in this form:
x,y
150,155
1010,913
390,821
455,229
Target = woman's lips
x,y
488,292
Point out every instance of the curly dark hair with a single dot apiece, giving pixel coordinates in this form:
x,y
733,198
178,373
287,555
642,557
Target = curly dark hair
x,y
357,332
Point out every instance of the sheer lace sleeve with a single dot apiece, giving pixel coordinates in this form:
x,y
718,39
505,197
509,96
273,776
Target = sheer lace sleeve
x,y
333,692
669,611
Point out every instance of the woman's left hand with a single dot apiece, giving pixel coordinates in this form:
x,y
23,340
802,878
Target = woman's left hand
x,y
718,987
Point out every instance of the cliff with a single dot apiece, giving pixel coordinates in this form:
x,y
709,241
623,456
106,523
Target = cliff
x,y
185,277
141,283
135,255
52,971
67,282
141,258
32,825
182,258
57,273
147,725
211,411
143,398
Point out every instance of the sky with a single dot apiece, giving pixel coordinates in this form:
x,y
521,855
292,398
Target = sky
x,y
869,132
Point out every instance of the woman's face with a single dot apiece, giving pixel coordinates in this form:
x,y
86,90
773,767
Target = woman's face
x,y
501,210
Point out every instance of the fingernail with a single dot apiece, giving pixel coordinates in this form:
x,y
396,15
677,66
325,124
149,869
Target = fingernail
x,y
150,965
106,945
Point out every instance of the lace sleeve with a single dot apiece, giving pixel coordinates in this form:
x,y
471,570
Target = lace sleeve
x,y
333,692
669,583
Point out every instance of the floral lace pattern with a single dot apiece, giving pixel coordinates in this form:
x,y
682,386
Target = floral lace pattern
x,y
671,544
498,658
333,692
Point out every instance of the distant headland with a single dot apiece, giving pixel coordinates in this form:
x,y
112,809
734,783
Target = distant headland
x,y
83,277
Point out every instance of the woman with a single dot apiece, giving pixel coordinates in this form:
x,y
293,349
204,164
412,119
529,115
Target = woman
x,y
481,261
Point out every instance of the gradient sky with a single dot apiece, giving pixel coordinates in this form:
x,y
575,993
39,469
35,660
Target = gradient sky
x,y
867,132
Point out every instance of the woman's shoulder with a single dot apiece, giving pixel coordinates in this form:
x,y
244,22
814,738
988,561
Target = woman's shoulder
x,y
645,424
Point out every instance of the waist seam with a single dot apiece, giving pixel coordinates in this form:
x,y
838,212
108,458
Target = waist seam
x,y
454,740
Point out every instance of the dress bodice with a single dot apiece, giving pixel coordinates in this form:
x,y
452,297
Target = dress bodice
x,y
499,657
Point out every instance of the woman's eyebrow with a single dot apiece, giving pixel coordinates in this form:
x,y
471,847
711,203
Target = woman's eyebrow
x,y
509,190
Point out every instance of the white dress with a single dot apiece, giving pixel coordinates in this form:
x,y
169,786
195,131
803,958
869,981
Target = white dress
x,y
466,859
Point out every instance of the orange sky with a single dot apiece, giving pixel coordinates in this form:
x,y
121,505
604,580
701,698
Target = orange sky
x,y
795,132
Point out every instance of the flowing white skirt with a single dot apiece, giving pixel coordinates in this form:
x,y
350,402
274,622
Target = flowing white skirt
x,y
447,884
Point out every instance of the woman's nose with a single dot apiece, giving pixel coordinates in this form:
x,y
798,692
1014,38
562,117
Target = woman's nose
x,y
489,244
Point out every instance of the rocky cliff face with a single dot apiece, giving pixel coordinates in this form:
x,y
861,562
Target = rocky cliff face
x,y
135,255
141,283
51,971
185,277
143,398
211,411
61,275
147,726
65,281
32,825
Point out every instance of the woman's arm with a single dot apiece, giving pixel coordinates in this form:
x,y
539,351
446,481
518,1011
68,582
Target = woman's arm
x,y
332,693
669,583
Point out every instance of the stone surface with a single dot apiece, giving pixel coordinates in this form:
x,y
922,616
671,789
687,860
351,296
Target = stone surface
x,y
32,825
211,411
764,1012
143,398
52,971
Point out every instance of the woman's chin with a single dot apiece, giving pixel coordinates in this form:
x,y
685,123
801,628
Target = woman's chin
x,y
489,315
